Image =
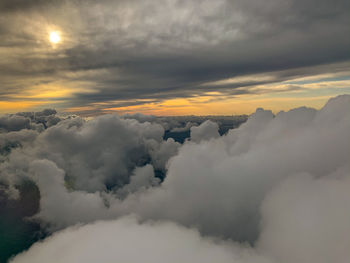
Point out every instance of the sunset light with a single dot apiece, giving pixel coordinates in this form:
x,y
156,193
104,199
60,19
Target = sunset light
x,y
55,37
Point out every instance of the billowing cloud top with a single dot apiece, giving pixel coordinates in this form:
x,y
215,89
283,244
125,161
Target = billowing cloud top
x,y
276,189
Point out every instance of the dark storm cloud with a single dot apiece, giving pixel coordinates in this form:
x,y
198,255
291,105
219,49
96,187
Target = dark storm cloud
x,y
166,49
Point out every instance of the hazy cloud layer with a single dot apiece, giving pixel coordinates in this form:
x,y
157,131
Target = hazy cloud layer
x,y
132,52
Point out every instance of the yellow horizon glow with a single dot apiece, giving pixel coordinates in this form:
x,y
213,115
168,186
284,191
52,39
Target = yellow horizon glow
x,y
181,107
8,107
276,97
237,106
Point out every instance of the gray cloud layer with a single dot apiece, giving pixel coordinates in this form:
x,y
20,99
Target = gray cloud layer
x,y
165,49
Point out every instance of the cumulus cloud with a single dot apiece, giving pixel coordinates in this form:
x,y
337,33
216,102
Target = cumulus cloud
x,y
279,183
14,123
14,139
161,153
58,205
304,219
205,131
125,240
99,154
168,123
185,128
142,178
29,120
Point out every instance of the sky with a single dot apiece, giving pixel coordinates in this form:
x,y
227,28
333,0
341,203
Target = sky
x,y
172,57
160,180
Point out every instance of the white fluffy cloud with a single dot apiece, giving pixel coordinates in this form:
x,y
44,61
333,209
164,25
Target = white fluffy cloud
x,y
125,240
304,219
307,219
280,183
98,154
205,131
219,185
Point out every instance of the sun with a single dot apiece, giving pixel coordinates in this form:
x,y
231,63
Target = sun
x,y
55,37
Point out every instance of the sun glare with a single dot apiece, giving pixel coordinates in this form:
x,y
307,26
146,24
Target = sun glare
x,y
55,37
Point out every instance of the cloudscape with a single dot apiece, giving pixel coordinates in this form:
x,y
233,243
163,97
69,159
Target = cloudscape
x,y
172,57
174,131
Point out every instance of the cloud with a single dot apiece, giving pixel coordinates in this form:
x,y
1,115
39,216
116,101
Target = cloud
x,y
230,176
276,186
185,128
128,241
29,120
73,206
120,52
96,155
205,131
14,123
305,219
